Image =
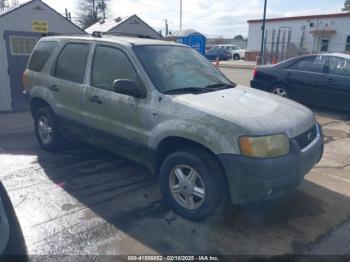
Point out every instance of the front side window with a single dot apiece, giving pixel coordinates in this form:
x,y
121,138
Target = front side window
x,y
71,62
177,67
314,64
339,66
111,64
41,54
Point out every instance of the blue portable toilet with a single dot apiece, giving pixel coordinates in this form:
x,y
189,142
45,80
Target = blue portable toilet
x,y
191,38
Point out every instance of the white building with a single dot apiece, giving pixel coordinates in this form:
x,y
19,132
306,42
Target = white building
x,y
290,36
130,25
20,29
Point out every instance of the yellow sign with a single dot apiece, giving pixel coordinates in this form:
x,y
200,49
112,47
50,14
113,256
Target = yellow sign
x,y
40,26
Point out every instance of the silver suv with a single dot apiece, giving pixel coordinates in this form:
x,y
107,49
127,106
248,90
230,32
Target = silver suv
x,y
165,106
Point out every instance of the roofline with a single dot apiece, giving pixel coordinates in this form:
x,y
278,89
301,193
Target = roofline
x,y
134,15
49,7
300,17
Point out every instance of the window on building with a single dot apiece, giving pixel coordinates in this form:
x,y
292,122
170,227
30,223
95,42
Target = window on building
x,y
22,45
347,47
71,63
111,64
41,54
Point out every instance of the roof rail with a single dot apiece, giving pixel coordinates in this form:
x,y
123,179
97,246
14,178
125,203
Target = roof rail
x,y
61,34
100,34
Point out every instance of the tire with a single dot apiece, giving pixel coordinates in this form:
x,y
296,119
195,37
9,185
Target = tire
x,y
280,90
209,183
16,244
54,140
236,57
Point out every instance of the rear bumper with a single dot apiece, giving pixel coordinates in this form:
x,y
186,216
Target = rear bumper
x,y
252,180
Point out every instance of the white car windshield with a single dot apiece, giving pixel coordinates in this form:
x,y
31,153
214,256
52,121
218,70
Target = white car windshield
x,y
173,68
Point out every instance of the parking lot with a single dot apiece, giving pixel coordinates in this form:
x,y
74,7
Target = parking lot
x,y
85,201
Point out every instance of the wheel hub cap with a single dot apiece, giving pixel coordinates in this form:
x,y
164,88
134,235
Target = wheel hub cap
x,y
187,187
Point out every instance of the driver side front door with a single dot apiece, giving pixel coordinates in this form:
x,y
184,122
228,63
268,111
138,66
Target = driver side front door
x,y
117,122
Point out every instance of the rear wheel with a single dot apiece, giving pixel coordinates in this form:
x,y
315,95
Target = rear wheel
x,y
192,183
46,129
280,90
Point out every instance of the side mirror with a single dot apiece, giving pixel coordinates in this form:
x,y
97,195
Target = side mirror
x,y
128,87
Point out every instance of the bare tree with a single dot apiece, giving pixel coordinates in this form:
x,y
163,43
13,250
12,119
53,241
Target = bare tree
x,y
347,6
92,11
6,4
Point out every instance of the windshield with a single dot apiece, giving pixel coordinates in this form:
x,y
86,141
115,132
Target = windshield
x,y
176,67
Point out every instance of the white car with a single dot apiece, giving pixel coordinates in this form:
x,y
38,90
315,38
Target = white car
x,y
237,52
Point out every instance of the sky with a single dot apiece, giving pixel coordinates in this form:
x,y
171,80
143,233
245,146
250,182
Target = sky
x,y
225,18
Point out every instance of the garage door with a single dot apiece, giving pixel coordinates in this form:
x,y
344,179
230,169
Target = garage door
x,y
19,46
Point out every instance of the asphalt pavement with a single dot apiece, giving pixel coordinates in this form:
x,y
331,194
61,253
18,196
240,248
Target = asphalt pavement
x,y
87,201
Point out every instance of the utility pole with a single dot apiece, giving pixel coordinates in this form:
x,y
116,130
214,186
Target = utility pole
x,y
263,35
103,9
180,14
166,27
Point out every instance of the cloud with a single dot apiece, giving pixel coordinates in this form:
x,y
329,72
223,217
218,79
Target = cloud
x,y
213,18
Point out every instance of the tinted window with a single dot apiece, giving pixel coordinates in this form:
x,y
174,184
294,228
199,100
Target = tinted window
x,y
111,64
174,67
310,64
40,55
71,62
339,66
347,47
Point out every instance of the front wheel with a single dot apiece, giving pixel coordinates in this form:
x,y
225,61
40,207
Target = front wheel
x,y
236,57
192,184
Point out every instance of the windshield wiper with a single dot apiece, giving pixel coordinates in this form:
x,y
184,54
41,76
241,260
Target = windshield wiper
x,y
185,90
199,90
220,86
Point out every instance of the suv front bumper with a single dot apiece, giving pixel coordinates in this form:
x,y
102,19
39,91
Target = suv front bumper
x,y
252,179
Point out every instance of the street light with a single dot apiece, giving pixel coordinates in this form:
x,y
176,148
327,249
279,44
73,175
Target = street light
x,y
263,35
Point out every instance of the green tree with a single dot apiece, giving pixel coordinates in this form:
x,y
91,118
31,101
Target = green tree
x,y
91,12
347,6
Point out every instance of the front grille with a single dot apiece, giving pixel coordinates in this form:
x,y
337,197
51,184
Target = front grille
x,y
307,137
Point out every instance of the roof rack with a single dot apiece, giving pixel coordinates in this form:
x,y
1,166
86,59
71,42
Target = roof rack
x,y
100,34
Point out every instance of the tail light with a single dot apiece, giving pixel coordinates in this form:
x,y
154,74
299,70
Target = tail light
x,y
24,80
255,72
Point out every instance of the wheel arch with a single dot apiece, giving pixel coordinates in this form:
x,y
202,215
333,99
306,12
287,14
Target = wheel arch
x,y
37,102
174,143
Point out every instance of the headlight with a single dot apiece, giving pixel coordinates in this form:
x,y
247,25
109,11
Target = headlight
x,y
264,146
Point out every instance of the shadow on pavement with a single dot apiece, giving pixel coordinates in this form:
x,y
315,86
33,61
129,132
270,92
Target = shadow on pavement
x,y
117,208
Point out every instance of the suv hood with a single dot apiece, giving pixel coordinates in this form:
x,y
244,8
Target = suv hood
x,y
259,112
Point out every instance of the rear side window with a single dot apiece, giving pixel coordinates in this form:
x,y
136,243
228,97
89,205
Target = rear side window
x,y
40,55
71,63
311,64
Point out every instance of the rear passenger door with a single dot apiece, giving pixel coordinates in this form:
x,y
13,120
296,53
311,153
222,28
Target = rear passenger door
x,y
306,79
67,82
338,82
117,122
67,86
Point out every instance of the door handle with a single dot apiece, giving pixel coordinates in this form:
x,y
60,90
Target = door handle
x,y
54,88
95,99
288,74
330,80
